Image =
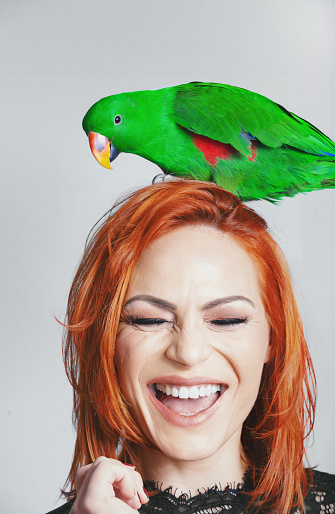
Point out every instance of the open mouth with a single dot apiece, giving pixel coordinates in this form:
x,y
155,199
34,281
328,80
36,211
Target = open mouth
x,y
187,401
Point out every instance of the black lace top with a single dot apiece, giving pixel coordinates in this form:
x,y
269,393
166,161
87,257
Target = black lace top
x,y
319,500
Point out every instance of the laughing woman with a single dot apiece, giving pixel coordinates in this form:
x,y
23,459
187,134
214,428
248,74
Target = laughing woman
x,y
189,364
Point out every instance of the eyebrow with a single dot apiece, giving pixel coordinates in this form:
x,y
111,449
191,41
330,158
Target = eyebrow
x,y
226,299
173,307
153,300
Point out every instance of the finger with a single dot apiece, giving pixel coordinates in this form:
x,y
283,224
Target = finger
x,y
126,489
83,472
143,496
139,489
112,479
80,476
115,506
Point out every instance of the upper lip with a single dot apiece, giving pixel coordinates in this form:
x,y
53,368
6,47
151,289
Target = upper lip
x,y
183,381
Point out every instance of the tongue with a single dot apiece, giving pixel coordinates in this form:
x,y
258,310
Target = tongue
x,y
188,406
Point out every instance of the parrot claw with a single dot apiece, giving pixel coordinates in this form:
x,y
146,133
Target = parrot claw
x,y
159,178
165,177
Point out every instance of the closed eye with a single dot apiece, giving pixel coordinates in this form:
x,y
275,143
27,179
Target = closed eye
x,y
228,321
146,321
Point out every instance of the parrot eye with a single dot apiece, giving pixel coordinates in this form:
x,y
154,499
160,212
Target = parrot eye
x,y
117,119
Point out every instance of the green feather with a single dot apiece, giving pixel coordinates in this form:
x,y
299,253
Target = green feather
x,y
270,152
220,112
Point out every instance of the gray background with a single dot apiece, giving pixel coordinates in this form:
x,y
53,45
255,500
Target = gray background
x,y
57,58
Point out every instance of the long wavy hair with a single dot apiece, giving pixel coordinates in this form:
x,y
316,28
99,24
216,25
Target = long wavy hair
x,y
274,434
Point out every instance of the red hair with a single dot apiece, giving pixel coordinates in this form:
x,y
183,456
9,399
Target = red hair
x,y
276,429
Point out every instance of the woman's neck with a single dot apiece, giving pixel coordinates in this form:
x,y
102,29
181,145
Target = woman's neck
x,y
226,466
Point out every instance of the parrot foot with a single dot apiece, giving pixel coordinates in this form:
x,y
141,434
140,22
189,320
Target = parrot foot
x,y
162,177
158,178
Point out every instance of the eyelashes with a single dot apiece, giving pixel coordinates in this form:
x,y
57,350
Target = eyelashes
x,y
228,321
156,322
148,322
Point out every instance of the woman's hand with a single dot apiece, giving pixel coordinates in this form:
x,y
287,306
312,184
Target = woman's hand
x,y
107,486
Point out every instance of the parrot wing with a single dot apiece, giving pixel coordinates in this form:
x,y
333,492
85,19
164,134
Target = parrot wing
x,y
235,116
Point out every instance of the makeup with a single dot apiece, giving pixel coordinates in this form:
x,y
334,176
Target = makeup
x,y
186,402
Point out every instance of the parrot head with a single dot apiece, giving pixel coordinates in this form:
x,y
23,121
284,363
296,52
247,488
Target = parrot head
x,y
104,125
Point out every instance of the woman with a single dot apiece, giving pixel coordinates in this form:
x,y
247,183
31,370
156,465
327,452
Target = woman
x,y
189,365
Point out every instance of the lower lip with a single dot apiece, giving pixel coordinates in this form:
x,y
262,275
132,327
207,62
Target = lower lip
x,y
185,421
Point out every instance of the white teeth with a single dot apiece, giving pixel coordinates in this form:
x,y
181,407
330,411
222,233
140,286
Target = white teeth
x,y
188,392
183,392
174,391
194,392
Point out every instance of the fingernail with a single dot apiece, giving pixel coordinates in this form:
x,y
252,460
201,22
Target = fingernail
x,y
139,499
146,494
126,464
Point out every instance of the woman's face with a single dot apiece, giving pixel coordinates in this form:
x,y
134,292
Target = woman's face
x,y
192,342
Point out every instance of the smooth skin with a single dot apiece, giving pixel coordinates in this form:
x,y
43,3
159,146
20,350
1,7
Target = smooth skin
x,y
193,309
108,486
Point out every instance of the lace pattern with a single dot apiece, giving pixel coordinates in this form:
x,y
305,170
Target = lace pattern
x,y
322,494
209,501
319,500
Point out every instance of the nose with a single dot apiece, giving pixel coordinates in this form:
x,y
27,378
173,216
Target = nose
x,y
190,346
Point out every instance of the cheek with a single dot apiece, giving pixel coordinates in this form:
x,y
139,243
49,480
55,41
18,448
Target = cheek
x,y
125,360
122,352
250,374
252,357
133,353
249,371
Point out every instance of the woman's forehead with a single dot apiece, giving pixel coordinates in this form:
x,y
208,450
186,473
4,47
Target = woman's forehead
x,y
194,257
199,241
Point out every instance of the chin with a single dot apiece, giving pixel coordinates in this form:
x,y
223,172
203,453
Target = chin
x,y
193,443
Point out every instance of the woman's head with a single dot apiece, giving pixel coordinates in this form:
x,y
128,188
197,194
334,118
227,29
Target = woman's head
x,y
192,342
284,406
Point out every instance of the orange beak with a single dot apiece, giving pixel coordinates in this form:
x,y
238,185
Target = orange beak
x,y
100,148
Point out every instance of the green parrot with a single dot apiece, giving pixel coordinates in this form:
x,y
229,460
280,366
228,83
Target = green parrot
x,y
238,139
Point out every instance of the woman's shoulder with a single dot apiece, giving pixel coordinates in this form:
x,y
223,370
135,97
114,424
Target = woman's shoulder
x,y
63,509
321,495
321,477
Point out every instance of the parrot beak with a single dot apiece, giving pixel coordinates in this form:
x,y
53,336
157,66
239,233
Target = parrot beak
x,y
102,149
